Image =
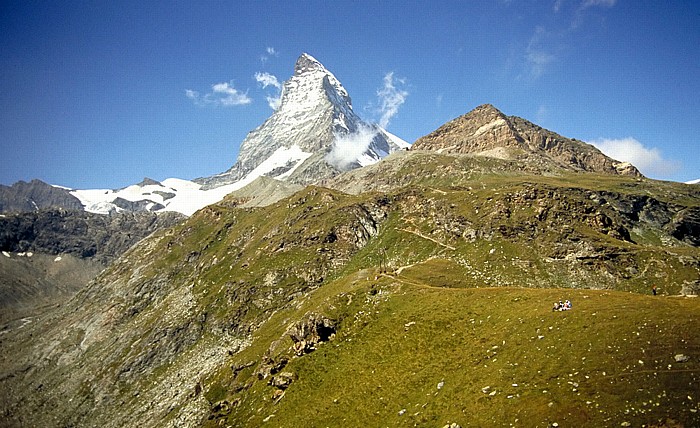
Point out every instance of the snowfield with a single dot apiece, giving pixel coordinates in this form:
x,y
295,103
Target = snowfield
x,y
185,196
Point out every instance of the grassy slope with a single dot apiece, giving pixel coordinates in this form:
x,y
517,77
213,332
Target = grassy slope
x,y
608,361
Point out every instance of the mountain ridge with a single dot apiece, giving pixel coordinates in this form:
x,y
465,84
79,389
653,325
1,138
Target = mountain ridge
x,y
487,131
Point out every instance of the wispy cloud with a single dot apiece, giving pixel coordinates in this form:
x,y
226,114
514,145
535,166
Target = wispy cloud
x,y
585,6
267,79
557,5
544,48
390,98
348,148
649,161
221,94
593,3
269,53
537,57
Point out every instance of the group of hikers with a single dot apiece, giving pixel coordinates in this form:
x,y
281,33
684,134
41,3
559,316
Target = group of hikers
x,y
562,306
566,304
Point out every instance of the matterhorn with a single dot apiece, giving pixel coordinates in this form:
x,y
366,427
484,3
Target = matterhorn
x,y
313,135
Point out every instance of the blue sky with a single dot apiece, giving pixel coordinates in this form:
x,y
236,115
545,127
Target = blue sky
x,y
103,93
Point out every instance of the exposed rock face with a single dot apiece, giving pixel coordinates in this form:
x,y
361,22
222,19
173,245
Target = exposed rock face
x,y
49,255
35,195
315,110
82,234
307,334
486,131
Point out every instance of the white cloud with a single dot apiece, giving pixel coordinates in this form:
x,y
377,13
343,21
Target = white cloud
x,y
648,160
222,94
347,149
269,52
267,79
537,59
390,99
602,3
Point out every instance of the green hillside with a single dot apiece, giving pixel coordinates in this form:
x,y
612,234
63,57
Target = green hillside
x,y
409,354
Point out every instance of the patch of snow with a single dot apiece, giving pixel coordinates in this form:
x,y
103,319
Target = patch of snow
x,y
496,123
281,157
57,259
6,254
693,181
60,187
396,140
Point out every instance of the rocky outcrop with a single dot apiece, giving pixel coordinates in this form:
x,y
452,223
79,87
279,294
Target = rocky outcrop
x,y
36,195
484,128
49,255
142,205
307,334
488,132
79,233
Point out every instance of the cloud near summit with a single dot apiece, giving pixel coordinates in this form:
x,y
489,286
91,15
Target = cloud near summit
x,y
347,149
390,99
221,94
648,160
266,79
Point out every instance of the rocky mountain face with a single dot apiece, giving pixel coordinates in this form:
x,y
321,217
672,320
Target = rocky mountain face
x,y
48,255
298,142
36,195
84,235
486,131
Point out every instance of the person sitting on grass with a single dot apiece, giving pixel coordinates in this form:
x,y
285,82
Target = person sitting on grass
x,y
562,306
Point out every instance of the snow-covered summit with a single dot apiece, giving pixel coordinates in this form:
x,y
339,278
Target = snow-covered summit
x,y
315,113
313,135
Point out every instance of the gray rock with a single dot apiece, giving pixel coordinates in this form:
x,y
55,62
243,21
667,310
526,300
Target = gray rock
x,y
681,358
282,380
36,195
309,333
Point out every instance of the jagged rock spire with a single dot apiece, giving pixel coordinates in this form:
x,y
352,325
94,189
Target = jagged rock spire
x,y
315,109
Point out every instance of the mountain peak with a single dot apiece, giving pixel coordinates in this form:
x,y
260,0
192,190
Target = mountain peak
x,y
487,131
311,136
487,107
306,63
